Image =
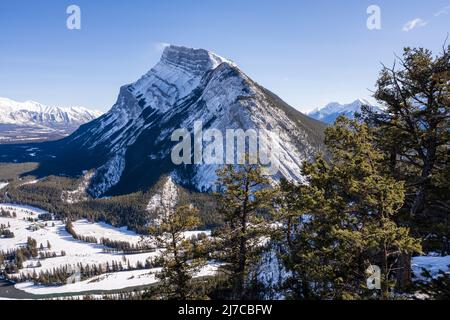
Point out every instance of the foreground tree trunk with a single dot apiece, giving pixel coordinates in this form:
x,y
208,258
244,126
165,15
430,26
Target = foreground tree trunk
x,y
404,274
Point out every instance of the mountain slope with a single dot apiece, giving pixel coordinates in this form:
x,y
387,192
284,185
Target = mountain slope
x,y
130,146
333,110
32,121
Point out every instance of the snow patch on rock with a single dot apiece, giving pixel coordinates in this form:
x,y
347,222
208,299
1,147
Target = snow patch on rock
x,y
165,200
80,194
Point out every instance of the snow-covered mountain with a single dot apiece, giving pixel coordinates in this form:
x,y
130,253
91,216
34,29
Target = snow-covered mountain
x,y
333,110
33,121
130,146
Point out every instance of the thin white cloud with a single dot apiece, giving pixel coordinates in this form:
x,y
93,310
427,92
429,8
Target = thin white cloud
x,y
160,46
413,24
443,11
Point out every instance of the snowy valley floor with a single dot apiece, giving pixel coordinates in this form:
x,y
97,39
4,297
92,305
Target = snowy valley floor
x,y
78,252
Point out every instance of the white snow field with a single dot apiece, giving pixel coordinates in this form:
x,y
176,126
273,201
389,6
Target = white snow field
x,y
107,282
78,251
103,230
432,263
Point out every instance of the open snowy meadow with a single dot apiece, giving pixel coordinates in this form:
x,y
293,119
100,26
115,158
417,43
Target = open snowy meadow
x,y
70,252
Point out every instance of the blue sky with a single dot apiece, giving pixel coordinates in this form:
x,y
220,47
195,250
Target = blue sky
x,y
308,52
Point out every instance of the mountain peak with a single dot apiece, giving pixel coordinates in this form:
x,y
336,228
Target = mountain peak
x,y
175,76
195,61
362,102
330,112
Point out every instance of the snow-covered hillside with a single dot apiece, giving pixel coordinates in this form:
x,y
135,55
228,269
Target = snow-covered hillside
x,y
333,110
30,121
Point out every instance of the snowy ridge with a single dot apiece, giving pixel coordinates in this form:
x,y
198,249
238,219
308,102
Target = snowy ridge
x,y
228,99
33,122
333,110
31,112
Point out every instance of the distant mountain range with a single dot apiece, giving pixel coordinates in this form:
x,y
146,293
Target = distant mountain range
x,y
333,110
129,147
32,121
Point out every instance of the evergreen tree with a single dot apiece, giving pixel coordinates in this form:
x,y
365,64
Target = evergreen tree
x,y
351,207
245,202
178,264
293,203
412,129
19,259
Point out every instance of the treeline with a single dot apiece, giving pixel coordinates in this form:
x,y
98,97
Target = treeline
x,y
49,255
120,296
45,216
11,171
62,275
114,246
126,210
